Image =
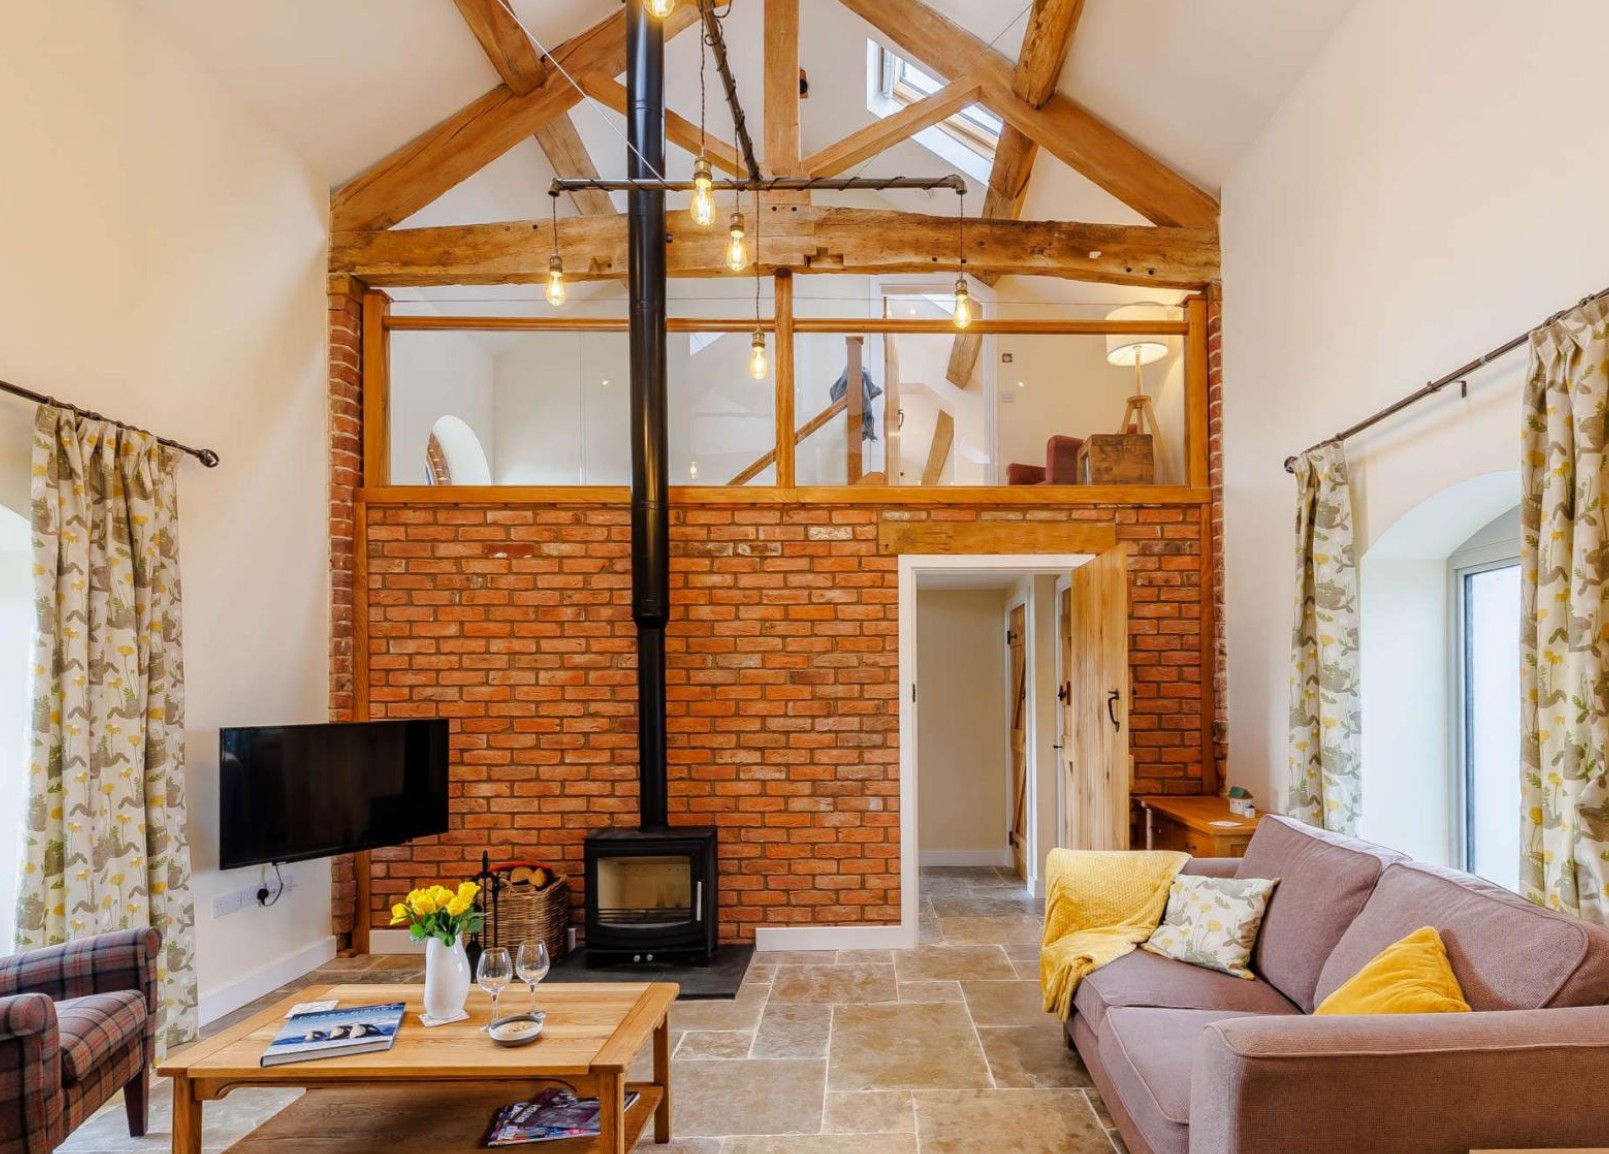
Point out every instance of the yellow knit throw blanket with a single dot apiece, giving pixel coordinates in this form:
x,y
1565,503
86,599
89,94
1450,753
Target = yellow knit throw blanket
x,y
1100,905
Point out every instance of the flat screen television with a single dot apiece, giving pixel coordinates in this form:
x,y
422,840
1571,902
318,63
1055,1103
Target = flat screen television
x,y
292,792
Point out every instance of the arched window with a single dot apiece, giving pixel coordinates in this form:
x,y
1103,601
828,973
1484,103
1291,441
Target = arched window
x,y
454,455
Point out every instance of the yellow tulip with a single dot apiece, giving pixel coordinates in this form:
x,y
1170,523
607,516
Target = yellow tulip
x,y
423,905
457,906
468,890
399,914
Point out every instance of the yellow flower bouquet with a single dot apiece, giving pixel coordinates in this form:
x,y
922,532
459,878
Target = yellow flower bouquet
x,y
440,913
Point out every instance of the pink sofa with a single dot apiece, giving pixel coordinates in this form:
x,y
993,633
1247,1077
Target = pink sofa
x,y
1191,1061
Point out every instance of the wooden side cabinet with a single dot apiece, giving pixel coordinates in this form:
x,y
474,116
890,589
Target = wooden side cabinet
x,y
1199,826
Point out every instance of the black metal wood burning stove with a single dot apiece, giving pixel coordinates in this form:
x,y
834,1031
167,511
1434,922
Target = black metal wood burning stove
x,y
651,896
651,890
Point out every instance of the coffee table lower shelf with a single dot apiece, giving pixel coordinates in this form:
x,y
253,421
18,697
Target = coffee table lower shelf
x,y
447,1117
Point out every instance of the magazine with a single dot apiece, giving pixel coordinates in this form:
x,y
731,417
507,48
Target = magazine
x,y
334,1033
554,1113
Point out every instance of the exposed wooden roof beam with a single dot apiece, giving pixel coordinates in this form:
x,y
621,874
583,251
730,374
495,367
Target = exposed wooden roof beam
x,y
782,88
883,134
680,131
1051,25
1064,129
514,56
505,43
402,183
1039,63
801,238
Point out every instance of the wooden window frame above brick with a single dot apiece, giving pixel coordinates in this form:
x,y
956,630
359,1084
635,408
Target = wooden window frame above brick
x,y
379,323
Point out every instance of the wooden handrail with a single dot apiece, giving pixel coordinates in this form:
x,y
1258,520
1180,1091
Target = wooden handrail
x,y
812,425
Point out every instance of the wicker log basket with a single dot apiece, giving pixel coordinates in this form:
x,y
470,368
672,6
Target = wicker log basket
x,y
526,901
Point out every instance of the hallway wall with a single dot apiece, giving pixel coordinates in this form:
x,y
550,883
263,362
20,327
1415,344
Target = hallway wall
x,y
961,726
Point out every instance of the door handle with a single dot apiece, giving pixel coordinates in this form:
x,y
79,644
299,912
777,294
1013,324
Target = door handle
x,y
1111,708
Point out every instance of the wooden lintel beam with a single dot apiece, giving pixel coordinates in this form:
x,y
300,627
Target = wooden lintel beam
x,y
782,87
1062,128
680,131
402,183
881,135
799,238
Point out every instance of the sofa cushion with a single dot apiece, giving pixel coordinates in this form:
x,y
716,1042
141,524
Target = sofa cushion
x,y
1149,1055
1144,979
1507,953
1324,880
95,1027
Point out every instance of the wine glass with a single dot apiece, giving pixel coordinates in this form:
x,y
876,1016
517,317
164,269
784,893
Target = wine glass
x,y
495,972
531,963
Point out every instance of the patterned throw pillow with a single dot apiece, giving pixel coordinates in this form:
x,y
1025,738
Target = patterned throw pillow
x,y
1212,922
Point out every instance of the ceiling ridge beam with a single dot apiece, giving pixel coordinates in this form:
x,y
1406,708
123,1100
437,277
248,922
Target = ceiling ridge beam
x,y
412,176
801,238
883,134
1062,127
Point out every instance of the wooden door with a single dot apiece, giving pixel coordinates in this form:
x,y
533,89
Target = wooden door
x,y
1094,633
1018,663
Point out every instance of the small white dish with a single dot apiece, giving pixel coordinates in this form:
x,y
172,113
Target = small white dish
x,y
517,1030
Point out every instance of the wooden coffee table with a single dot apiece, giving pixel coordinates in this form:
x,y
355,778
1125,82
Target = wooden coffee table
x,y
592,1034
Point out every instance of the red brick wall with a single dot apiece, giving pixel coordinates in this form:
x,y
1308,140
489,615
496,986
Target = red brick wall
x,y
1215,479
346,455
514,622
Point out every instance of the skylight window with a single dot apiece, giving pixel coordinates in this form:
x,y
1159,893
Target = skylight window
x,y
901,83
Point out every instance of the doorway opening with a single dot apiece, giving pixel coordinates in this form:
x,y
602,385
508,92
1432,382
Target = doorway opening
x,y
998,673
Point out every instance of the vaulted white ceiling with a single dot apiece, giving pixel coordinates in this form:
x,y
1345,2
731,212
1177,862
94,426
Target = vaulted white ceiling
x,y
347,81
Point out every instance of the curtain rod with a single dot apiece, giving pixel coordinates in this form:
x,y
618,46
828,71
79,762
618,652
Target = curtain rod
x,y
206,456
1433,387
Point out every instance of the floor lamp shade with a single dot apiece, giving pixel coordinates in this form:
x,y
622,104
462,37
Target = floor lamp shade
x,y
1132,348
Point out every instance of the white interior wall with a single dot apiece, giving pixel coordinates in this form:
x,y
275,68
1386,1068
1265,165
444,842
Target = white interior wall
x,y
433,375
1400,214
961,726
164,258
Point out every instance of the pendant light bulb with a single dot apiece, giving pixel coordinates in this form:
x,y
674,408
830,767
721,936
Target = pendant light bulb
x,y
759,369
703,194
965,310
555,289
737,252
660,8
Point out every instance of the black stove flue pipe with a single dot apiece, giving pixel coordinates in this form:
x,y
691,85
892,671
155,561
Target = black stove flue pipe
x,y
650,464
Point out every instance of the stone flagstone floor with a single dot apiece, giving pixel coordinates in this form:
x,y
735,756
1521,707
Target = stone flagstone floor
x,y
938,1050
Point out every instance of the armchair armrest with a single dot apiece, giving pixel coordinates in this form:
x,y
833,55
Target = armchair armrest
x,y
122,960
1212,867
30,1074
1384,1084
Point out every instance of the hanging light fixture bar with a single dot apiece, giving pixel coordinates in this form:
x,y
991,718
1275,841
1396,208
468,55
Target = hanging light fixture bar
x,y
953,182
716,39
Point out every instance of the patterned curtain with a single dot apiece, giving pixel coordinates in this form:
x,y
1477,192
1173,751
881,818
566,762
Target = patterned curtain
x,y
1324,767
1564,580
104,833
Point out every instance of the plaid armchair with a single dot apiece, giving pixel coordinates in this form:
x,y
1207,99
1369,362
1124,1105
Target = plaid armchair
x,y
77,1024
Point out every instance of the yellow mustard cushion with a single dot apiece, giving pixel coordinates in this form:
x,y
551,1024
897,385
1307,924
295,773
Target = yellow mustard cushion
x,y
1412,976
